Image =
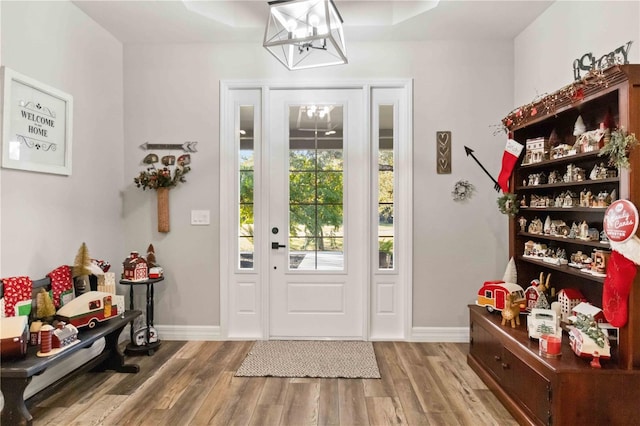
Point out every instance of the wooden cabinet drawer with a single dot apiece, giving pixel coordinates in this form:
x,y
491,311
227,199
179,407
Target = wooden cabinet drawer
x,y
529,388
487,349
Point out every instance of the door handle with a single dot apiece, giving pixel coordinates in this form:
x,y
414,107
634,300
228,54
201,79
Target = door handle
x,y
276,246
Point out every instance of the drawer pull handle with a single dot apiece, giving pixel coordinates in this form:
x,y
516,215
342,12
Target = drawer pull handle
x,y
497,357
505,365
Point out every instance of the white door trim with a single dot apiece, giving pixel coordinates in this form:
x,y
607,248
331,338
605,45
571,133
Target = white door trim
x,y
257,327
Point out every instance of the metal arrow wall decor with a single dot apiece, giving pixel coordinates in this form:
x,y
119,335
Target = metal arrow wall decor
x,y
189,146
469,152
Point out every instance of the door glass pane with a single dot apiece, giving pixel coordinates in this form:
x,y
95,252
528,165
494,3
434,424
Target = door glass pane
x,y
386,182
246,183
316,188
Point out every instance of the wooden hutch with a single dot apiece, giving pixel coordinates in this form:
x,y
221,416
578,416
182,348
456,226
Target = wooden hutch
x,y
566,390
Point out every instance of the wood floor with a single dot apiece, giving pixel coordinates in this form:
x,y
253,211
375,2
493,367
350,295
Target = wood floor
x,y
192,383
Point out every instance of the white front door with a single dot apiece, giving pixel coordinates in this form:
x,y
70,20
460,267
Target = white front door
x,y
319,174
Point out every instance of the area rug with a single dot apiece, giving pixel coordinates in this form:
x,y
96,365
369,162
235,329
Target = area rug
x,y
310,358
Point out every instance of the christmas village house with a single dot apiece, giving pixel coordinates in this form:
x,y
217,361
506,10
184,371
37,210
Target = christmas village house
x,y
569,298
135,268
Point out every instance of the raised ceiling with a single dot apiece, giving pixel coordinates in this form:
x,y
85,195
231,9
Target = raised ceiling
x,y
192,21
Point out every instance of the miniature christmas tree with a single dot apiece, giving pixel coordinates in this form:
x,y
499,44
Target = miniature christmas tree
x,y
542,302
44,305
510,274
151,256
82,263
579,128
545,329
554,139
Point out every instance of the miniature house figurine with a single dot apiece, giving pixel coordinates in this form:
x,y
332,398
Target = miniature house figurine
x,y
535,227
569,298
528,248
583,231
532,294
586,308
135,267
600,260
63,335
537,150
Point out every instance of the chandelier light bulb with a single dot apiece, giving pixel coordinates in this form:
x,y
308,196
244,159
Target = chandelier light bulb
x,y
291,25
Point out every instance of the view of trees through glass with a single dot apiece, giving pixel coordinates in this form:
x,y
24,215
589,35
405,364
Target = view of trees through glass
x,y
246,190
316,195
315,204
385,188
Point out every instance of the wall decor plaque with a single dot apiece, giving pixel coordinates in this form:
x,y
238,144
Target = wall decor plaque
x,y
36,125
443,152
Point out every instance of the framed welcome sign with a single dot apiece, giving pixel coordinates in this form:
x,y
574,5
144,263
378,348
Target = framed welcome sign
x,y
36,125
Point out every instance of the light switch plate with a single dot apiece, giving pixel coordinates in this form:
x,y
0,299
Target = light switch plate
x,y
200,217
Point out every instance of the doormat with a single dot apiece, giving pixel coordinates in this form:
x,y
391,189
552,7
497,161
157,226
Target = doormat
x,y
310,358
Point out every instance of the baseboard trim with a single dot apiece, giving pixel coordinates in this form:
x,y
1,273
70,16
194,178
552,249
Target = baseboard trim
x,y
189,332
418,334
440,334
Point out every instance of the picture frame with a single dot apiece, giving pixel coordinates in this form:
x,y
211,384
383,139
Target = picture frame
x,y
37,122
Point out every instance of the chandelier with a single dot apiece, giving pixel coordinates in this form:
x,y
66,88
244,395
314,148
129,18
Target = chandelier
x,y
305,33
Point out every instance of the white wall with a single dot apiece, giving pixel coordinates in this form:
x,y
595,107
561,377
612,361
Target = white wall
x,y
45,218
171,95
545,51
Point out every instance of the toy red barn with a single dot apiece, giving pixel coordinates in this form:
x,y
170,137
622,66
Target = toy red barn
x,y
64,335
532,294
135,268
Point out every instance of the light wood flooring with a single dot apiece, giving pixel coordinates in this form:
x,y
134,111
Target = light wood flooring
x,y
192,383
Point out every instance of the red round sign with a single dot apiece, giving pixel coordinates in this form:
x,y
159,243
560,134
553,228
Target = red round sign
x,y
621,221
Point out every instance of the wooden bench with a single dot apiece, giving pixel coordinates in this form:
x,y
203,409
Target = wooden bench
x,y
15,375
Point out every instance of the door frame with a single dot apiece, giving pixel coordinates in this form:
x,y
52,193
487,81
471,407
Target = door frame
x,y
253,323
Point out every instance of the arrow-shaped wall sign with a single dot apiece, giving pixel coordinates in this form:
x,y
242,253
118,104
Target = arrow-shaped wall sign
x,y
469,152
186,147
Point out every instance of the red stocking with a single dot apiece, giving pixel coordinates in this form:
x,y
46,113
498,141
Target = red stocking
x,y
617,285
511,154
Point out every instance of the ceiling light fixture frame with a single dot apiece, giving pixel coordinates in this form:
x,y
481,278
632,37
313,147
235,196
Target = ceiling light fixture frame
x,y
305,33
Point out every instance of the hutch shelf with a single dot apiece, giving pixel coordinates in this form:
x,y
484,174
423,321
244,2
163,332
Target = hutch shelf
x,y
566,390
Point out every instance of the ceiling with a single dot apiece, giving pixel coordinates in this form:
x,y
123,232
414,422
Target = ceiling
x,y
199,21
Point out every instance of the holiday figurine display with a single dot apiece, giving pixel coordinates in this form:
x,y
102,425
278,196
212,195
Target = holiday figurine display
x,y
494,295
88,309
587,339
511,311
135,267
139,268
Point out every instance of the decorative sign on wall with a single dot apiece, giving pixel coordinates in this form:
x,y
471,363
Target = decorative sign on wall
x,y
36,125
443,152
189,146
588,62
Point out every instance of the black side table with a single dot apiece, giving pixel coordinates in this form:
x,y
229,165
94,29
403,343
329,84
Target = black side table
x,y
148,347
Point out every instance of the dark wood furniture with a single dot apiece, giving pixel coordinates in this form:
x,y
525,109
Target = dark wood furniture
x,y
16,375
566,390
540,390
148,346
